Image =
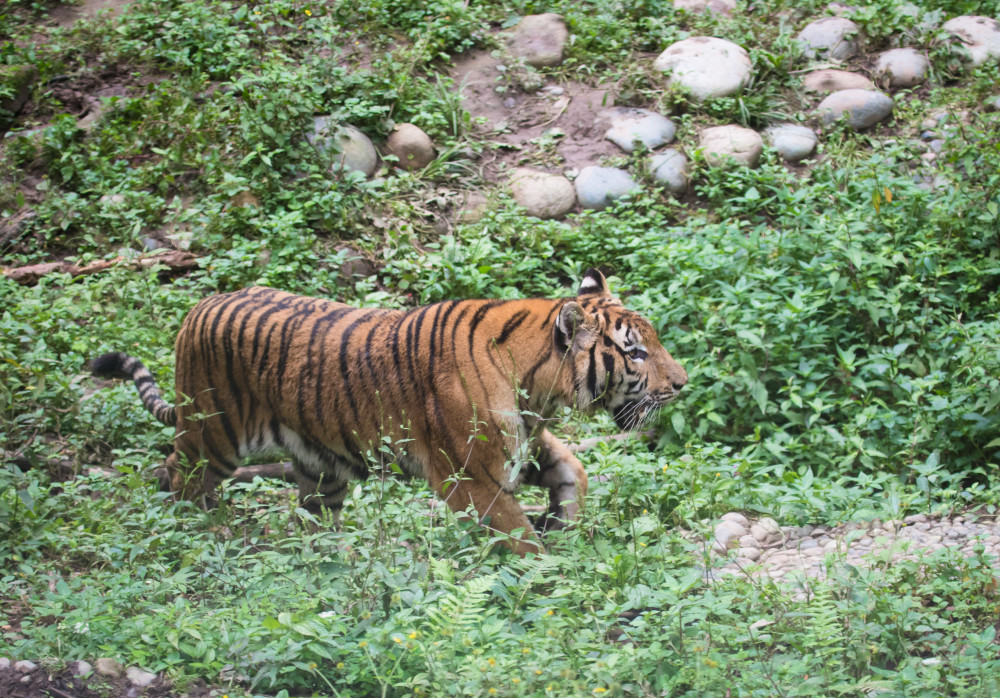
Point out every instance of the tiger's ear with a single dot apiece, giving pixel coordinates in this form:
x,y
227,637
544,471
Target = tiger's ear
x,y
593,284
574,321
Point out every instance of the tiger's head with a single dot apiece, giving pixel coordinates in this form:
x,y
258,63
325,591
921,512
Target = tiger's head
x,y
616,359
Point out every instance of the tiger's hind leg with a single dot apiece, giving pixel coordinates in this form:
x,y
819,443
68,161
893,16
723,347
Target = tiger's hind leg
x,y
562,473
321,490
196,467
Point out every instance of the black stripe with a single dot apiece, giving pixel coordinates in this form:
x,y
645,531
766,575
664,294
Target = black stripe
x,y
512,324
592,373
609,366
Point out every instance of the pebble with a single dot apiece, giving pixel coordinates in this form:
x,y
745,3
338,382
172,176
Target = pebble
x,y
544,195
915,519
793,142
354,150
81,668
25,667
723,7
807,544
630,126
670,169
139,677
830,80
706,66
721,144
411,146
863,108
936,145
901,67
597,187
736,517
109,667
978,37
830,37
539,39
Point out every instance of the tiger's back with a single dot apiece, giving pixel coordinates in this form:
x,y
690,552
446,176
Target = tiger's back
x,y
463,384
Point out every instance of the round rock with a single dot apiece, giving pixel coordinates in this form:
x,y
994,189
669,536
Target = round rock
x,y
723,7
901,67
597,187
979,37
109,667
539,39
411,145
630,126
138,677
544,195
863,108
81,668
4,663
748,553
24,666
736,517
830,80
708,67
830,37
670,169
723,143
793,142
354,150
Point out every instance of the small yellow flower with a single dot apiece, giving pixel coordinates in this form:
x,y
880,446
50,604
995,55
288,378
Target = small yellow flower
x,y
515,680
525,650
312,665
397,640
538,672
599,689
550,612
491,661
340,665
362,644
413,635
309,13
492,691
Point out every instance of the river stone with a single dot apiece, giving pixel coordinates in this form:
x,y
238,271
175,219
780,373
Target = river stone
x,y
81,668
979,36
544,195
355,152
411,145
4,663
830,37
748,553
138,677
708,67
24,666
863,108
723,7
723,143
749,541
728,534
597,187
792,141
736,517
629,125
539,39
830,80
670,169
109,667
901,67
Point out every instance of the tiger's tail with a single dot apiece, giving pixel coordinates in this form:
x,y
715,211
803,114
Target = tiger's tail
x,y
118,365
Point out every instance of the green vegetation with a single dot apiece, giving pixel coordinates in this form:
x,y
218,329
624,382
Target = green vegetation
x,y
840,322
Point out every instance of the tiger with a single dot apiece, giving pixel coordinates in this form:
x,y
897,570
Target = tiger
x,y
462,389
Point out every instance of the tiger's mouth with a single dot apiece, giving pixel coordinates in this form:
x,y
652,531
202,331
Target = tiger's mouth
x,y
634,414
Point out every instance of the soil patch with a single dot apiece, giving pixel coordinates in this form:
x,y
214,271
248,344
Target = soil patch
x,y
558,127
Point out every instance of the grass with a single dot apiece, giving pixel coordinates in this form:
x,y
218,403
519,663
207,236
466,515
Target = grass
x,y
839,321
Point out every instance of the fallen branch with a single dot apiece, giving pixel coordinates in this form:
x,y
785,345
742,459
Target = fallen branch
x,y
174,261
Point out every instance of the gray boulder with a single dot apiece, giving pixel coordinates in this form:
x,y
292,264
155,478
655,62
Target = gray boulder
x,y
724,144
792,141
354,151
979,37
597,187
670,169
629,126
901,67
863,108
708,67
830,37
544,195
539,39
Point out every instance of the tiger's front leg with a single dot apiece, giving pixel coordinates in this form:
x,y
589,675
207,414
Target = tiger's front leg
x,y
563,474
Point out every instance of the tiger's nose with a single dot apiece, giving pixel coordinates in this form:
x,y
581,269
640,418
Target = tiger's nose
x,y
679,384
